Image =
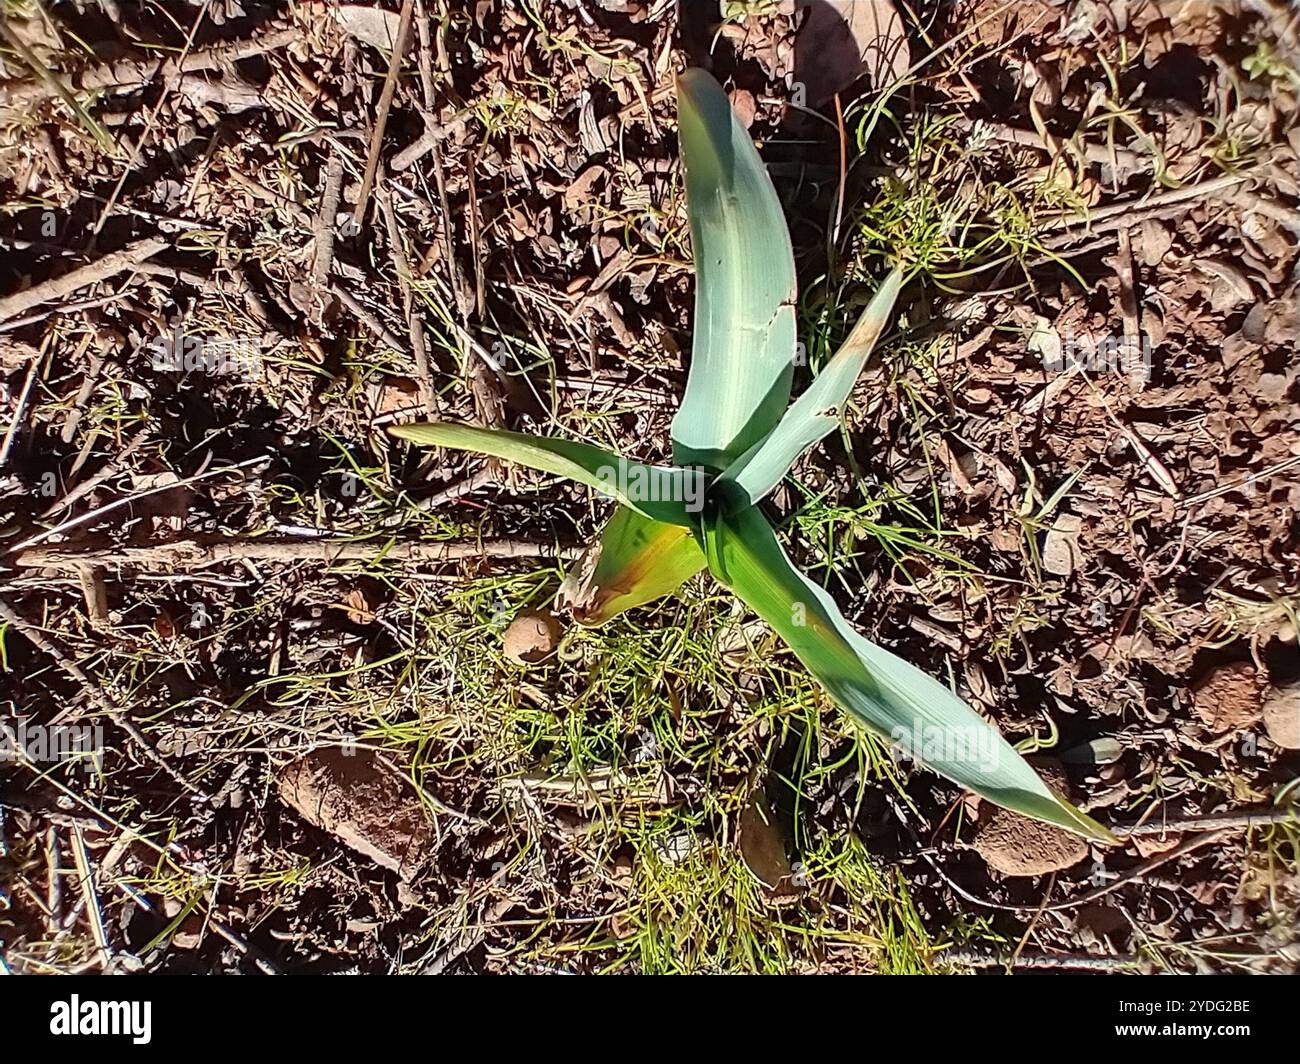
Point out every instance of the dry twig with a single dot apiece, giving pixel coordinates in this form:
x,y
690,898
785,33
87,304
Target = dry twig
x,y
195,553
92,273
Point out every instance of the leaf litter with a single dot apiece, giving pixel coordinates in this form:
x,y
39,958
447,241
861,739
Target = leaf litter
x,y
1094,534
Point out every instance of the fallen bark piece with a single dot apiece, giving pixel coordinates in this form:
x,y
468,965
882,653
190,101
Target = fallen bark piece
x,y
1017,846
1227,701
1282,716
1061,553
762,846
350,796
840,43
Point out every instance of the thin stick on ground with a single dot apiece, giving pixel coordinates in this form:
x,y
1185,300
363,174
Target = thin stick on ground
x,y
1223,489
323,224
1194,843
124,74
1254,818
1129,213
114,466
195,553
92,273
381,113
97,695
367,319
94,912
23,396
100,511
414,327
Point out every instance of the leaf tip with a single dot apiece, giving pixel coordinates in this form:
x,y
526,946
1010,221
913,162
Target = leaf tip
x,y
1087,827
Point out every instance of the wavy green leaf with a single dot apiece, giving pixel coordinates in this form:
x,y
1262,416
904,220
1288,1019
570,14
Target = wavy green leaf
x,y
742,356
892,699
660,493
814,414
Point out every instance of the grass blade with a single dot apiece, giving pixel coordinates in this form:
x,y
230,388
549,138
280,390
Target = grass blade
x,y
814,414
660,493
885,694
742,356
53,82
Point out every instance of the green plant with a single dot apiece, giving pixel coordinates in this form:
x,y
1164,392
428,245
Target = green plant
x,y
733,441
